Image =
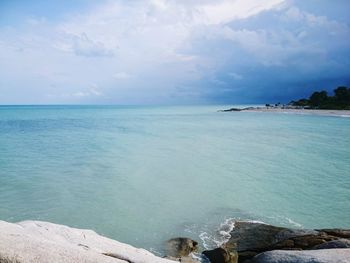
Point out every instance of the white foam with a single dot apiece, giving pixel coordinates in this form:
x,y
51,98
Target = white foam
x,y
255,221
206,239
285,221
292,222
225,229
220,236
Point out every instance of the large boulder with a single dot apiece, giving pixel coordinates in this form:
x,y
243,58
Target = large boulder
x,y
339,243
180,247
247,236
305,256
39,242
221,255
250,238
344,233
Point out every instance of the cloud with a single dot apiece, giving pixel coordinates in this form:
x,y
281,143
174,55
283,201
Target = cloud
x,y
213,48
154,29
274,40
92,91
226,11
82,45
35,21
159,4
121,75
235,75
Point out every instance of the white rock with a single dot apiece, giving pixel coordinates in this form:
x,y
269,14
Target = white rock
x,y
41,242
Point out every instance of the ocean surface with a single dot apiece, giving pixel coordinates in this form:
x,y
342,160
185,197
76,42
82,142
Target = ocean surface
x,y
142,175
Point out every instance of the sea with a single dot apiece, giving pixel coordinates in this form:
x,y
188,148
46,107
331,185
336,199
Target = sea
x,y
144,174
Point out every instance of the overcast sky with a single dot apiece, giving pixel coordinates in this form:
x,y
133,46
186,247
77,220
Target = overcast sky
x,y
171,51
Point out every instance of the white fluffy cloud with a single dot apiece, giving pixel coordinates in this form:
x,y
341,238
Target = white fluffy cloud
x,y
226,11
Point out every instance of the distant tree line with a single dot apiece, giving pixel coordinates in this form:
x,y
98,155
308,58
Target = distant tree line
x,y
321,100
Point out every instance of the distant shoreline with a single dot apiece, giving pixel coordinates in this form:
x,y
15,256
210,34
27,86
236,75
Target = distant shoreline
x,y
336,113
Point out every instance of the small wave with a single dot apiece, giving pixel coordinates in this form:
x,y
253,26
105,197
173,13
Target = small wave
x,y
225,229
255,221
199,257
285,221
155,251
220,236
292,222
206,240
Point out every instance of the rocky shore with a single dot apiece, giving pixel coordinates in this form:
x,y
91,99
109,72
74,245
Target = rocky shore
x,y
250,239
250,242
43,242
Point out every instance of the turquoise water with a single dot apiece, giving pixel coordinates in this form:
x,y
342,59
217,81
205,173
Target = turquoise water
x,y
145,174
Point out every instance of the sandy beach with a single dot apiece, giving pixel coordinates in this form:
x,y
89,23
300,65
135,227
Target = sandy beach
x,y
336,113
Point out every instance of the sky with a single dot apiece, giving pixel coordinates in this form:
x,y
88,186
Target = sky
x,y
171,51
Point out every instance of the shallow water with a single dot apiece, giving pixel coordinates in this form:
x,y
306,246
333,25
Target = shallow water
x,y
145,174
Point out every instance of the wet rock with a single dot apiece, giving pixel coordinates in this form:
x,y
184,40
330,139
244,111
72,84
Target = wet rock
x,y
287,233
306,256
285,244
253,236
187,259
250,239
232,109
180,247
344,233
308,242
339,243
246,255
220,255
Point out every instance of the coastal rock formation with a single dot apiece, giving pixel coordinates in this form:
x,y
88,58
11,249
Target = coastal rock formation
x,y
220,255
39,242
231,109
250,239
305,256
36,241
339,243
186,259
180,247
